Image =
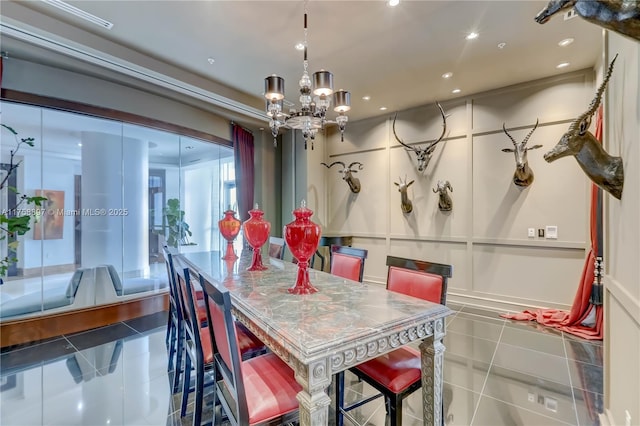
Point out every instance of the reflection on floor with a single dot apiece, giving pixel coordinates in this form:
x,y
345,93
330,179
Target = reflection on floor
x,y
496,372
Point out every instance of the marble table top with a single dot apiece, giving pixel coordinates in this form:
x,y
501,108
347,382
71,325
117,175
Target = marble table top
x,y
312,326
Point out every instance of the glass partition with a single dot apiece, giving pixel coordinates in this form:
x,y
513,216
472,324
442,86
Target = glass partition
x,y
115,194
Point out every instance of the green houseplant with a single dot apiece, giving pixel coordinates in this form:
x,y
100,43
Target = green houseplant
x,y
16,219
178,229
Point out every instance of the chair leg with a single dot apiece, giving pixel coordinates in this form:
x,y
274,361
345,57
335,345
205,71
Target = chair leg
x,y
186,383
179,353
199,392
167,338
395,411
172,343
339,398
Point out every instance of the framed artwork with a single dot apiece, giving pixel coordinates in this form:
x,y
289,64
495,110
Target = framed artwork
x,y
52,215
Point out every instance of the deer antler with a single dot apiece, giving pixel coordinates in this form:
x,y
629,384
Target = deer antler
x,y
397,138
431,144
444,124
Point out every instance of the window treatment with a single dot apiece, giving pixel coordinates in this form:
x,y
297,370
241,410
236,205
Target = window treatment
x,y
244,169
583,306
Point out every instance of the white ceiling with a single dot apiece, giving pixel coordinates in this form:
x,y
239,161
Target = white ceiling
x,y
395,55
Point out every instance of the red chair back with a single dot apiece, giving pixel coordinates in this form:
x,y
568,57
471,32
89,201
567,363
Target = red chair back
x,y
348,262
187,301
417,278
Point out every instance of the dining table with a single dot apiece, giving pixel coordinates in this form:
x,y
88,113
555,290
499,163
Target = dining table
x,y
343,324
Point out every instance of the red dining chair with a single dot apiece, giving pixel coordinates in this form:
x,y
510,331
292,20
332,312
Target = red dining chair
x,y
397,374
258,391
348,262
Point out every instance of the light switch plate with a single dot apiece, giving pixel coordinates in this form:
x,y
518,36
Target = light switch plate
x,y
552,232
531,232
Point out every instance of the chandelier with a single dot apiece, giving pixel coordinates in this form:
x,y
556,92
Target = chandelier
x,y
315,101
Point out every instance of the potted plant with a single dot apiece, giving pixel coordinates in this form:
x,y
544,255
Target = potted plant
x,y
179,232
15,219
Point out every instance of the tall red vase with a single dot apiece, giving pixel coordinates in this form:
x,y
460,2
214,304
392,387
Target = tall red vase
x,y
302,237
229,228
256,232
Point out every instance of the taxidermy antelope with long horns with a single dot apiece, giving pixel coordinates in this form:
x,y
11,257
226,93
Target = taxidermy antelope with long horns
x,y
603,169
423,154
523,176
621,16
405,202
353,182
445,203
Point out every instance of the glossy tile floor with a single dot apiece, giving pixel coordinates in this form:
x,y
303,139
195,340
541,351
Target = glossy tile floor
x,y
496,372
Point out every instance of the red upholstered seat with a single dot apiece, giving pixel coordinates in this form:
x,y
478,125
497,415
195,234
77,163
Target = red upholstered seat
x,y
415,283
396,370
270,387
346,266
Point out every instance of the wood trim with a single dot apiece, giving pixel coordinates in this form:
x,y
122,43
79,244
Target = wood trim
x,y
101,112
43,327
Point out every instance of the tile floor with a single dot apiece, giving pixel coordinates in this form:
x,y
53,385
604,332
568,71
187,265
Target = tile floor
x,y
496,372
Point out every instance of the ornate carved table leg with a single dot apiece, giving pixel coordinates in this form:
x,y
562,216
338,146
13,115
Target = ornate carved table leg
x,y
432,351
313,399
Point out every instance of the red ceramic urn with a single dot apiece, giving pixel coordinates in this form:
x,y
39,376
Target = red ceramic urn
x,y
256,232
302,237
229,228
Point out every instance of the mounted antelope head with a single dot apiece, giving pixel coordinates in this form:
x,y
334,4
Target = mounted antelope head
x,y
523,176
423,154
354,182
445,204
405,202
603,169
622,16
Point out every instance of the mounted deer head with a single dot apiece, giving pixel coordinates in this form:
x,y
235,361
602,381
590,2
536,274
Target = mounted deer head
x,y
523,176
622,16
423,154
445,203
353,182
603,169
405,202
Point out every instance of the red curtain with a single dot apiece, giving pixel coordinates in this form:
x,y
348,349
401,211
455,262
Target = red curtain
x,y
571,322
243,151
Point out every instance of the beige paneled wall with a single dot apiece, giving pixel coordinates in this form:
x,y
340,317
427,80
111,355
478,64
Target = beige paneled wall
x,y
485,236
622,238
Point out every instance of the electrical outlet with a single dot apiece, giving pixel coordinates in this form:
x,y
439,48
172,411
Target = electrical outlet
x,y
531,232
541,233
531,397
552,232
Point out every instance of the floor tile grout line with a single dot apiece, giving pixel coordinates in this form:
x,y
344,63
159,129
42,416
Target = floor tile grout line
x,y
79,352
526,409
130,327
534,350
573,394
486,378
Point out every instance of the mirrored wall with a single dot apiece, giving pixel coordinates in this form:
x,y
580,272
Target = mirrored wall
x,y
115,194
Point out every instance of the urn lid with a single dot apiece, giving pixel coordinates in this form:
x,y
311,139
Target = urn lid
x,y
302,212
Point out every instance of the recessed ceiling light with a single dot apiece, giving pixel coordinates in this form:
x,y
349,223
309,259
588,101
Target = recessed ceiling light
x,y
455,91
211,60
393,2
447,75
383,108
565,42
472,36
79,144
299,46
563,65
366,98
502,45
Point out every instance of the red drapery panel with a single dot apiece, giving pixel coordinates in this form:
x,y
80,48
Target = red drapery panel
x,y
243,152
571,322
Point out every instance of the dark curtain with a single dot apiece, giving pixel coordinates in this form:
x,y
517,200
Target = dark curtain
x,y
243,152
1,71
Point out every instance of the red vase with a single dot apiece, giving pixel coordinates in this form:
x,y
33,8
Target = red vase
x,y
302,237
229,228
256,232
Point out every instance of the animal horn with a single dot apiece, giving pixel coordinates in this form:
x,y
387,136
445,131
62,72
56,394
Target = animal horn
x,y
398,139
360,165
435,191
510,137
448,185
526,139
596,100
328,166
